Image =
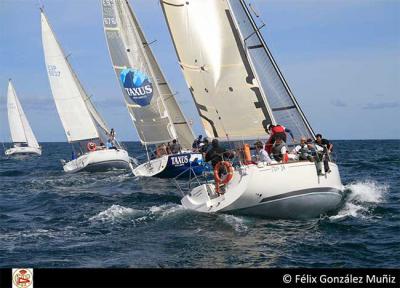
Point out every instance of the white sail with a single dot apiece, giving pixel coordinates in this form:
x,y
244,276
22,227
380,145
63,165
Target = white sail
x,y
21,131
153,107
68,95
217,71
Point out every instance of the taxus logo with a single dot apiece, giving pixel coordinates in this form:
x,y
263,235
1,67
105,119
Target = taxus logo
x,y
137,85
179,160
22,278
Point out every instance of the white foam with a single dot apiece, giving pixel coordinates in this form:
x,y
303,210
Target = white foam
x,y
115,212
362,197
237,223
166,209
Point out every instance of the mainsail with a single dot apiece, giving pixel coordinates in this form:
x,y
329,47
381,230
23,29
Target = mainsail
x,y
237,87
71,100
21,131
151,103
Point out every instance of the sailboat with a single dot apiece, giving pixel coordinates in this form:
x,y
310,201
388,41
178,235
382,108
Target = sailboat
x,y
84,127
239,90
24,141
149,99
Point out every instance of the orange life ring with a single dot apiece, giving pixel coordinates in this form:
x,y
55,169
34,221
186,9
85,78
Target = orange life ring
x,y
91,146
229,168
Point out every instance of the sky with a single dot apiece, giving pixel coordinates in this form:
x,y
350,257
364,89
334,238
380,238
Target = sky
x,y
341,59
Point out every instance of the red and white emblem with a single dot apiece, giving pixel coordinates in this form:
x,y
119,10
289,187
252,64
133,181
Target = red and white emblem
x,y
22,278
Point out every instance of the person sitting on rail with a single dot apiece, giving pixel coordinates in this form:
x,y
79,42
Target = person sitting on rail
x,y
326,147
161,150
279,150
261,154
196,143
205,147
275,131
301,151
218,153
168,147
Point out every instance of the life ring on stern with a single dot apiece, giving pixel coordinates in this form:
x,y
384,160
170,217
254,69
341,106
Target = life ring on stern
x,y
91,146
229,168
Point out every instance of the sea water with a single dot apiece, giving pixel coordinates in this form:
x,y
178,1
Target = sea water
x,y
113,219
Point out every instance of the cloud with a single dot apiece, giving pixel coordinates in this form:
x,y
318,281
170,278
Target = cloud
x,y
338,103
381,105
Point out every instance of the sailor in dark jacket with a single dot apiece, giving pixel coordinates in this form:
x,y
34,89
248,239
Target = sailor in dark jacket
x,y
217,153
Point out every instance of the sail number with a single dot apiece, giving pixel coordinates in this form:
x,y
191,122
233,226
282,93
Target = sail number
x,y
52,69
109,21
108,2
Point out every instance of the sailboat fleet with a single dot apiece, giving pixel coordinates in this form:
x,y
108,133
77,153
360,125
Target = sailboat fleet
x,y
237,88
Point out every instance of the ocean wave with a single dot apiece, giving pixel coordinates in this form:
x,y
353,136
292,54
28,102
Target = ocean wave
x,y
237,223
362,197
115,213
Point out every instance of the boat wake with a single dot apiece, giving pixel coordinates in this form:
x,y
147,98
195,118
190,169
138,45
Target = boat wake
x,y
237,223
116,214
361,198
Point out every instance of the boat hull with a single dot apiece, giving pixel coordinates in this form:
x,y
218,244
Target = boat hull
x,y
99,161
171,166
23,151
292,190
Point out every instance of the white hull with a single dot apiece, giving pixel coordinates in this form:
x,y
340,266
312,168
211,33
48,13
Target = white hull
x,y
292,190
151,168
23,151
98,161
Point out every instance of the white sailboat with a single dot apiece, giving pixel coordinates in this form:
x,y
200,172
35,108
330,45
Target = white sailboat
x,y
83,125
149,99
24,141
239,90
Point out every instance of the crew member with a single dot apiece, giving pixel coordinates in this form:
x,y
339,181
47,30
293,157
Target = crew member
x,y
274,131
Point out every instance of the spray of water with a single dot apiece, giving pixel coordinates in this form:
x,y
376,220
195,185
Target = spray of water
x,y
361,198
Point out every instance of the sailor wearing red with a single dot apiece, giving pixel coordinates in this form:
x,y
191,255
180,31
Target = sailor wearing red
x,y
274,131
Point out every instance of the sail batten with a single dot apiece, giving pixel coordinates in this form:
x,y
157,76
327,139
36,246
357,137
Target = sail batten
x,y
21,131
146,92
67,91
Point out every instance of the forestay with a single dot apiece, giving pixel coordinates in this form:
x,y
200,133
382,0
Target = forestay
x,y
284,106
152,106
21,131
68,95
217,71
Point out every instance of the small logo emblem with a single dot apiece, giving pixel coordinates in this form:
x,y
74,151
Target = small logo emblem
x,y
22,278
137,85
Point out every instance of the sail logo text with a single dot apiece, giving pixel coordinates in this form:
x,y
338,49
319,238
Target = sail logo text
x,y
140,91
180,160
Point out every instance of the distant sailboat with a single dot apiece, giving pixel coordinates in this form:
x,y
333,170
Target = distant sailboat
x,y
22,136
150,102
83,125
239,90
